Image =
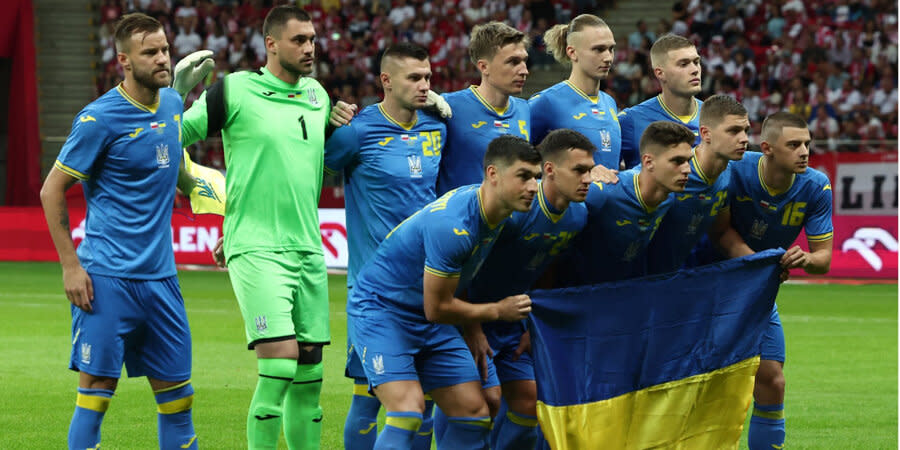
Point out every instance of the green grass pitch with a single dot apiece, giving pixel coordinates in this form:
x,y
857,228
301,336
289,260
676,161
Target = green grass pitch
x,y
841,371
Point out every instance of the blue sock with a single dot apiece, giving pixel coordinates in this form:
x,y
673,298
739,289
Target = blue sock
x,y
176,428
439,424
423,436
766,427
513,431
399,431
541,443
466,433
90,406
361,426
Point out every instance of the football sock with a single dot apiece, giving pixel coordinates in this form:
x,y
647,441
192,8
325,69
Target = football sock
x,y
361,426
766,427
439,424
466,432
264,417
302,412
423,436
90,406
174,423
513,431
399,431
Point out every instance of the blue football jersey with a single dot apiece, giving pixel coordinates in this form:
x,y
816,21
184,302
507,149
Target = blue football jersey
x,y
126,155
767,219
449,237
613,245
475,123
563,105
528,244
634,121
390,170
688,220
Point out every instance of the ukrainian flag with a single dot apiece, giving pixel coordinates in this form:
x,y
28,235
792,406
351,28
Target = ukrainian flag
x,y
658,362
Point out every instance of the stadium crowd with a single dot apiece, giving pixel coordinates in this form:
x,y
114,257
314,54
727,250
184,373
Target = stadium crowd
x,y
834,62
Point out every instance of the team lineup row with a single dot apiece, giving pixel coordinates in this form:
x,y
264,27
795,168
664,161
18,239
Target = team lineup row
x,y
448,224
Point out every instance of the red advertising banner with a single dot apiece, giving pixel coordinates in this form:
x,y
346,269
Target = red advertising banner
x,y
864,247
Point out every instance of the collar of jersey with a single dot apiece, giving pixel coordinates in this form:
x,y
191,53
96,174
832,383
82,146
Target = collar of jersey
x,y
592,99
698,169
762,181
481,210
637,193
148,108
497,111
682,119
546,207
278,82
406,126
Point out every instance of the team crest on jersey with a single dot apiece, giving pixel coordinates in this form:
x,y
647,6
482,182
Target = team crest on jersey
x,y
158,126
313,99
86,353
605,141
378,363
758,230
502,126
415,166
695,223
162,156
632,251
261,324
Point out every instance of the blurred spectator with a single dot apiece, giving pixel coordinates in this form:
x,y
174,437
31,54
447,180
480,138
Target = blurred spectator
x,y
186,42
637,37
884,98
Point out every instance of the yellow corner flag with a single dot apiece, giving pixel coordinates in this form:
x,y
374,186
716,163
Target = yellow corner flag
x,y
208,196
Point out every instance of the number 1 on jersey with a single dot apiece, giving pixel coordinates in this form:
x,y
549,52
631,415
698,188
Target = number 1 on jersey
x,y
302,121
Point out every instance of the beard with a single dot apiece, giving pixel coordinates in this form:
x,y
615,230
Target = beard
x,y
149,79
295,68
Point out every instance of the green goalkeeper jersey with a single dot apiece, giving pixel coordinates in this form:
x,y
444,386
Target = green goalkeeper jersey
x,y
274,138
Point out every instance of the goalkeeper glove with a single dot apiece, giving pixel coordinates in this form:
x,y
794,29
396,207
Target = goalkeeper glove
x,y
436,102
191,69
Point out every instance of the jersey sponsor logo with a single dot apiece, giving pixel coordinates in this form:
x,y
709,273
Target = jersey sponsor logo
x,y
758,229
188,444
378,363
137,131
158,126
605,141
744,199
683,197
415,166
386,141
87,118
368,429
768,206
478,125
459,232
86,353
579,116
827,187
261,324
162,156
623,222
268,93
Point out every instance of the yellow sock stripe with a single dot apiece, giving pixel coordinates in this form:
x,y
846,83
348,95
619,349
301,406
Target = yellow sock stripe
x,y
428,398
361,390
521,420
482,422
404,423
172,388
92,402
176,406
774,415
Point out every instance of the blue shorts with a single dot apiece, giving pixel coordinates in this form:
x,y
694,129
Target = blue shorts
x,y
141,323
504,338
353,368
772,346
394,349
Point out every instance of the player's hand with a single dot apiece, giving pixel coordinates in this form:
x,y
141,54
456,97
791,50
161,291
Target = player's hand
x,y
794,258
191,69
785,275
342,114
603,175
524,346
514,307
437,103
219,252
79,288
478,345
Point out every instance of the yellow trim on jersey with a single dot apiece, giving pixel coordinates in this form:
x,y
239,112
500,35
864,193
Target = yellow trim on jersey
x,y
591,98
406,126
487,105
697,168
820,237
149,108
762,182
440,273
682,119
92,402
640,198
543,202
361,390
69,171
481,210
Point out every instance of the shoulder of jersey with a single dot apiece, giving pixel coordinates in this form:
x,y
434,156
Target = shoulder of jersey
x,y
818,178
459,95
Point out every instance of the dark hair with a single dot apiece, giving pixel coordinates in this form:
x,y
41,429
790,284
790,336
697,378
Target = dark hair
x,y
404,50
133,23
773,125
715,109
505,150
560,141
279,16
662,134
488,38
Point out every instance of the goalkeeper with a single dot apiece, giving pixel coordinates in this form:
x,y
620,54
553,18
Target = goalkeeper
x,y
273,124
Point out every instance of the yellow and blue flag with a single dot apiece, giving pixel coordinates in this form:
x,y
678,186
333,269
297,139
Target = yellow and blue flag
x,y
658,362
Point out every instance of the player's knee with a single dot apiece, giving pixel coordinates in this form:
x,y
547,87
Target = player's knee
x,y
492,398
89,381
310,354
523,400
175,399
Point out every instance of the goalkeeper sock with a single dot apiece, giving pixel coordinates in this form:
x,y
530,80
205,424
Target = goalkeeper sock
x,y
512,430
264,416
399,430
90,406
361,426
422,440
466,432
766,427
302,412
174,423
